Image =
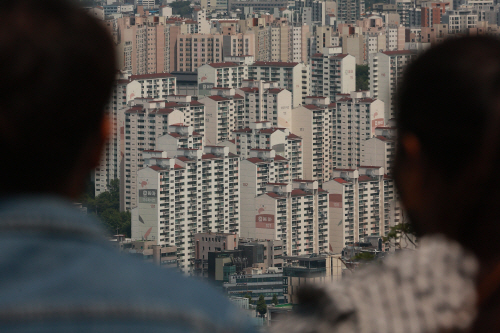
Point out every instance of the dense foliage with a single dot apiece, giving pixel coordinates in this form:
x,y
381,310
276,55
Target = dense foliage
x,y
364,256
362,77
181,8
261,305
106,206
275,299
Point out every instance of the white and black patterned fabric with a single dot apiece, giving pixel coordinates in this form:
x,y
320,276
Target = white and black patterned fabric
x,y
428,290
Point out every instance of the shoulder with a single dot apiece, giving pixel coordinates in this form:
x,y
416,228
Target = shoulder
x,y
420,291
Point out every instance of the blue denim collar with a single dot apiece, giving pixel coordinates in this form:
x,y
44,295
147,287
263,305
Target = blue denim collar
x,y
46,213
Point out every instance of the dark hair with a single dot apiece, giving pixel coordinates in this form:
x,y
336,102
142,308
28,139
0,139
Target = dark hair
x,y
450,100
447,98
57,66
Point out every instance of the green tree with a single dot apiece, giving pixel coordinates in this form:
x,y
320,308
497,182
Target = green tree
x,y
181,8
261,306
362,77
275,299
106,206
401,235
364,256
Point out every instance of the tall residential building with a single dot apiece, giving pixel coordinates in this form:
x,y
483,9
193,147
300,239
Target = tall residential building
x,y
144,124
265,101
362,203
223,114
126,88
296,213
395,37
192,191
292,76
262,42
239,44
143,45
313,123
460,20
261,135
355,119
154,85
194,111
332,75
288,42
380,149
223,75
195,50
386,70
349,11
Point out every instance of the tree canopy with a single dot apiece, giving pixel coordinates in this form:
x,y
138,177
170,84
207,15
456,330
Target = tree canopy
x,y
106,206
261,305
275,299
362,77
181,8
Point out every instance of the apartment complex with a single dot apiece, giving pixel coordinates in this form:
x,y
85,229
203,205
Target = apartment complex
x,y
362,203
261,135
386,70
332,75
223,114
265,101
355,119
222,75
195,50
380,149
313,123
191,192
296,213
291,76
145,122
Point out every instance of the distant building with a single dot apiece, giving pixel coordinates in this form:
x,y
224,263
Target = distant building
x,y
255,285
309,269
332,75
291,76
192,191
386,71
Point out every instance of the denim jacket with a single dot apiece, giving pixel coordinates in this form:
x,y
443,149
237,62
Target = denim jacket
x,y
59,274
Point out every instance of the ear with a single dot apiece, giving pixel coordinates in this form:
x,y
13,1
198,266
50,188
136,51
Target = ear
x,y
410,172
103,136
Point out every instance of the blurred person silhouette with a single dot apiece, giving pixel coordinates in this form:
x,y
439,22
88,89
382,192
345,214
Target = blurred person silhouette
x,y
445,168
58,273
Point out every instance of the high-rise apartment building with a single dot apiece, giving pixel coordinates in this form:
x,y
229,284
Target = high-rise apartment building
x,y
332,75
265,101
143,45
386,70
380,149
238,44
223,75
126,88
192,191
349,11
288,42
296,213
313,123
224,111
154,85
144,124
292,76
355,119
195,50
362,203
261,135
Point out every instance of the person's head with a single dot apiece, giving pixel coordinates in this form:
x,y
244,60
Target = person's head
x,y
448,122
56,71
